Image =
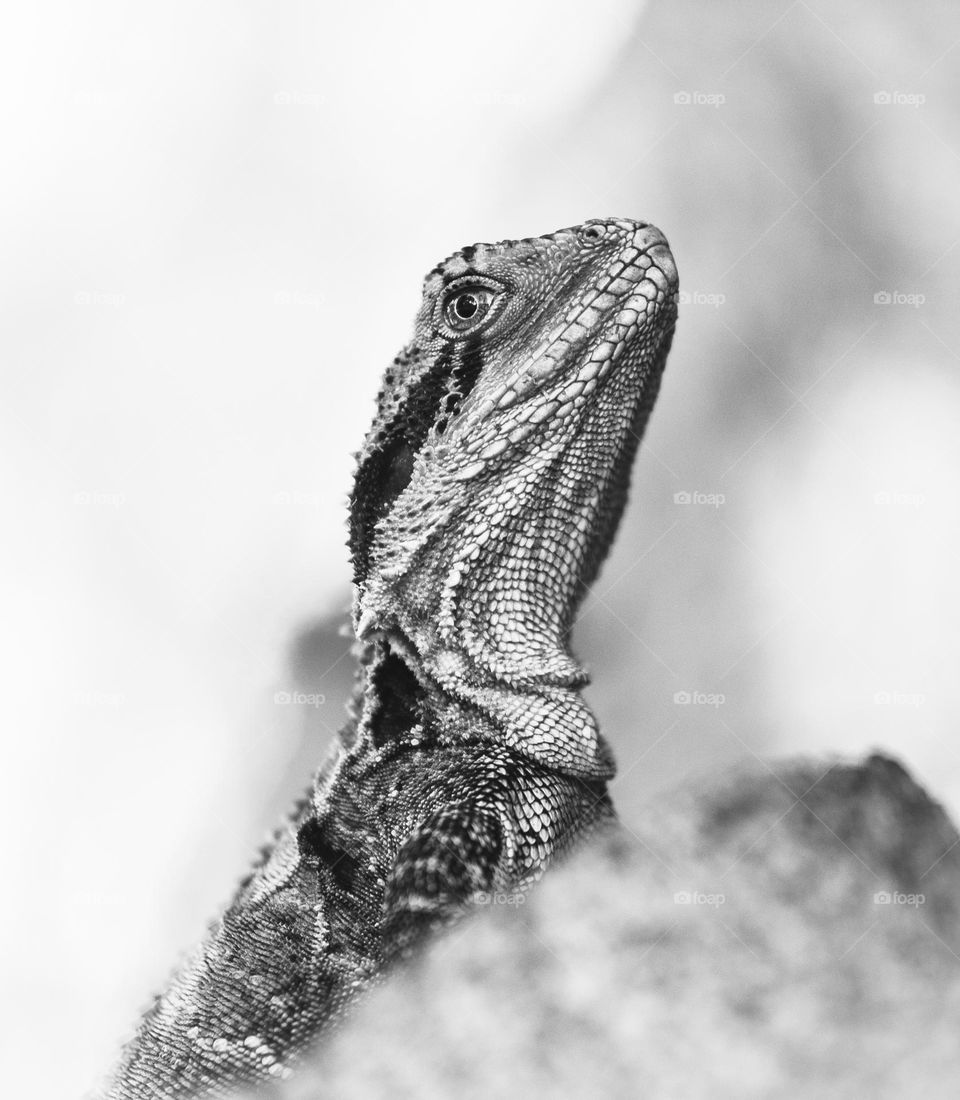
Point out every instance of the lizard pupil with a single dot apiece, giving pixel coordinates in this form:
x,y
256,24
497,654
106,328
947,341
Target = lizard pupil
x,y
465,306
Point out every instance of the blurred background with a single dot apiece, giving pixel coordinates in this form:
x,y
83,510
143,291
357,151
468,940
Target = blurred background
x,y
215,221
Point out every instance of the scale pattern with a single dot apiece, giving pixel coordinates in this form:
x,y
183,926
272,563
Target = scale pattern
x,y
486,496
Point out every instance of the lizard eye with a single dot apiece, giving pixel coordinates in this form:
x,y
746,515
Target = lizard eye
x,y
466,306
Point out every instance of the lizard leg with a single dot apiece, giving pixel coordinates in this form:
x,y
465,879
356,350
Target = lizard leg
x,y
452,857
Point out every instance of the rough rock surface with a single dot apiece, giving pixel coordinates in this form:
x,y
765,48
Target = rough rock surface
x,y
789,930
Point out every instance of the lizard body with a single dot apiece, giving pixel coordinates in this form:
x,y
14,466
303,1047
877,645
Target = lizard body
x,y
486,495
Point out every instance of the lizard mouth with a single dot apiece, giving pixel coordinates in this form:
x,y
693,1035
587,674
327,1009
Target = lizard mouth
x,y
622,311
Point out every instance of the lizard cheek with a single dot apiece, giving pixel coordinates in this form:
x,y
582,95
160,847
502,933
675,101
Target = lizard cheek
x,y
382,477
399,472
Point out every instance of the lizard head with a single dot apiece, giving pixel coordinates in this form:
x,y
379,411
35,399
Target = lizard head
x,y
495,472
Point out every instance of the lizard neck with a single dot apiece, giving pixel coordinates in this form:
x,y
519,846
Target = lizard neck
x,y
481,606
440,692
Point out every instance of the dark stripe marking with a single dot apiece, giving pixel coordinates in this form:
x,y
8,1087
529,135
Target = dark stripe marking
x,y
383,475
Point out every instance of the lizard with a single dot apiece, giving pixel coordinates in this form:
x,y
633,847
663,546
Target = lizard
x,y
485,497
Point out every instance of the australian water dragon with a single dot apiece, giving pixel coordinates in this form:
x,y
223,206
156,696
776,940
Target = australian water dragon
x,y
486,495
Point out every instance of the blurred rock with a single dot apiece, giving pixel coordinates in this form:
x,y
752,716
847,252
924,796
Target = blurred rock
x,y
788,930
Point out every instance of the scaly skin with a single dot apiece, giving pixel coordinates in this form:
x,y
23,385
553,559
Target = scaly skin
x,y
487,493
